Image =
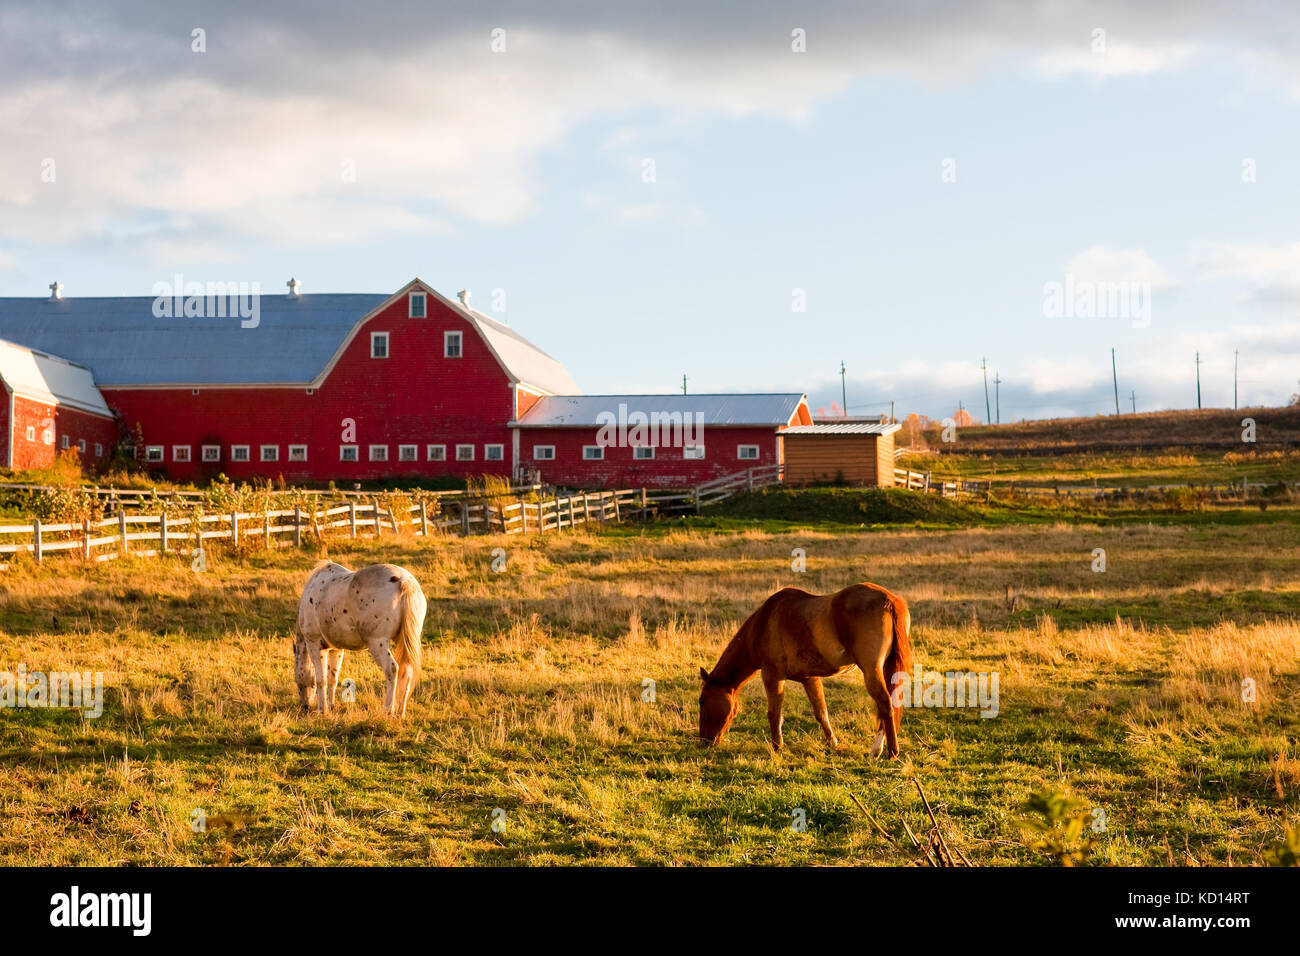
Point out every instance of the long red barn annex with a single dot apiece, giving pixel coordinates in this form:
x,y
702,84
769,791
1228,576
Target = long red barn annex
x,y
351,387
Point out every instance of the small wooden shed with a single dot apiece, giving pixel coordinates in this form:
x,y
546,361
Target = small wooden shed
x,y
856,453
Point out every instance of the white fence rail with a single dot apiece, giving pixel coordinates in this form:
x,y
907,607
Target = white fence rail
x,y
126,533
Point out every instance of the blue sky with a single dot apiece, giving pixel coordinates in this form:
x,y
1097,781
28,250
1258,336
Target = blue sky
x,y
524,171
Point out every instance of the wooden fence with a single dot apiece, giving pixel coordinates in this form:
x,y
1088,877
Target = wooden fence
x,y
163,533
119,498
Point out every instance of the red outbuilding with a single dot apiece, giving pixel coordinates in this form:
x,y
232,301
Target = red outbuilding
x,y
658,441
50,404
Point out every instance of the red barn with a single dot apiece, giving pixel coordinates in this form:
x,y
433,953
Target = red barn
x,y
50,404
352,387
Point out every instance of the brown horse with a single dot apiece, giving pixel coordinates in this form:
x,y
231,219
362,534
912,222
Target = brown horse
x,y
799,636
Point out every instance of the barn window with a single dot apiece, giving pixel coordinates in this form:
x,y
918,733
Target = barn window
x,y
180,452
297,452
435,452
379,453
747,452
211,453
347,452
593,452
31,433
81,445
407,453
239,453
63,441
451,345
270,452
543,453
153,453
643,452
99,450
379,345
494,452
691,452
417,305
464,452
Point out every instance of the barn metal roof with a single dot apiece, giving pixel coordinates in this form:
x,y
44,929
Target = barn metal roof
x,y
126,344
558,411
844,428
295,339
49,379
523,360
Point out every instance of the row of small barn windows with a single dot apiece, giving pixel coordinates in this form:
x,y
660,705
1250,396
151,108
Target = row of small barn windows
x,y
642,452
451,342
65,441
346,452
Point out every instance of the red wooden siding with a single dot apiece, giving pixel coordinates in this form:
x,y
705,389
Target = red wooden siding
x,y
415,396
76,425
668,469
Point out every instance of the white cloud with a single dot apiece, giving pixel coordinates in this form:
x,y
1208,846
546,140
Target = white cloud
x,y
1271,272
1104,264
1117,59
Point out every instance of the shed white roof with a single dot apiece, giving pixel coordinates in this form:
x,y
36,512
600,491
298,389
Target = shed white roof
x,y
47,378
845,428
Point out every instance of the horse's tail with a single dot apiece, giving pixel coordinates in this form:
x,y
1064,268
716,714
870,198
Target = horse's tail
x,y
899,659
407,642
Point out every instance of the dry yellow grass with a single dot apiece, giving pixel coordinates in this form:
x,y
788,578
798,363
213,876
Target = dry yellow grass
x,y
1123,687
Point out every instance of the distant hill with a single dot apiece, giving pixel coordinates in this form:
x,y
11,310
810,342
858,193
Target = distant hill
x,y
1195,429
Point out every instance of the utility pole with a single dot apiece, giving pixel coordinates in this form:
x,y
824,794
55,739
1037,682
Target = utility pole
x,y
844,401
988,414
683,383
997,394
1114,377
1132,397
891,411
1198,379
1235,353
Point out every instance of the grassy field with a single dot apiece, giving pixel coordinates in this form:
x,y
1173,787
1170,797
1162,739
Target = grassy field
x,y
1120,688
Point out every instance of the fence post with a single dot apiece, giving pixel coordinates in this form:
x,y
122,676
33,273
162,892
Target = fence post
x,y
617,516
297,526
162,532
523,515
121,531
352,514
927,482
85,538
266,527
234,530
464,517
697,500
586,508
751,479
36,539
379,528
645,505
424,519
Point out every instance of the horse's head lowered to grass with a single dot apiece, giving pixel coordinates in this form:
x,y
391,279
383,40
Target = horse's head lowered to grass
x,y
718,708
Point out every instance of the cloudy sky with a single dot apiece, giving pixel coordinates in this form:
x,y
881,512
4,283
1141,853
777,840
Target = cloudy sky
x,y
745,192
